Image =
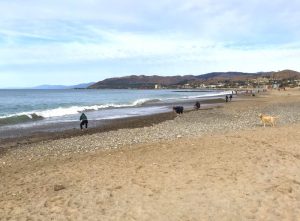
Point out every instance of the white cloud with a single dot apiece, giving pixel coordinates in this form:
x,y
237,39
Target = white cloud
x,y
165,36
113,45
154,49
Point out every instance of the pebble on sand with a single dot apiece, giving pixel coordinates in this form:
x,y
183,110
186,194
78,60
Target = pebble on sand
x,y
58,187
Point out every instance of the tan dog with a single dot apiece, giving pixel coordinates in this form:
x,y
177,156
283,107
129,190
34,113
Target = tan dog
x,y
265,119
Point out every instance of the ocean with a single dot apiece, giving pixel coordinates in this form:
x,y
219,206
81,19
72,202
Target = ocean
x,y
31,108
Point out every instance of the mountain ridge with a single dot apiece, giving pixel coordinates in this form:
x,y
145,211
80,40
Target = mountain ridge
x,y
62,87
148,82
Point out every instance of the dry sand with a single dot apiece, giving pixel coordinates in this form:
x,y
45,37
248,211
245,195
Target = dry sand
x,y
236,171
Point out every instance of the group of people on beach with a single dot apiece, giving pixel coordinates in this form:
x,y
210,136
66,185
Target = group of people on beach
x,y
228,98
177,109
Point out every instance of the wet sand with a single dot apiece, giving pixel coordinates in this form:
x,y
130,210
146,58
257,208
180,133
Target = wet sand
x,y
217,164
20,136
103,126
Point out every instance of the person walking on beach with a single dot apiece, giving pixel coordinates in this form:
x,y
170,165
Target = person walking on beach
x,y
230,97
226,98
83,121
197,105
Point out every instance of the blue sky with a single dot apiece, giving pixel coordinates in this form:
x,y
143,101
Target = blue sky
x,y
72,41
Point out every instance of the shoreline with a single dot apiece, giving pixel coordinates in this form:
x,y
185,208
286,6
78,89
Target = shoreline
x,y
39,117
216,164
130,131
23,136
106,126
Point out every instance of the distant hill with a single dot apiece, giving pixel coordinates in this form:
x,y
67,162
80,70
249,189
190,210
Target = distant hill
x,y
50,87
282,75
223,76
235,76
82,86
141,81
144,82
57,87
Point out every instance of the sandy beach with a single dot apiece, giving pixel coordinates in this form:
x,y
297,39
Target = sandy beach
x,y
213,164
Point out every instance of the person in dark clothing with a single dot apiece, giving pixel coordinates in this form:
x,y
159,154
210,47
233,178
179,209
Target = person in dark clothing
x,y
197,105
226,98
230,97
83,121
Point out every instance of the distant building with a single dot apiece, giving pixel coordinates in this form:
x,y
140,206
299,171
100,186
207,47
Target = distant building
x,y
187,86
265,86
260,80
157,86
212,86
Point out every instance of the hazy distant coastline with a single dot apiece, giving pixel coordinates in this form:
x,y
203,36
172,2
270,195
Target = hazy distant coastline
x,y
210,80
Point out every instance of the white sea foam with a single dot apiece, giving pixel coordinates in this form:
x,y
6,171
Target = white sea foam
x,y
208,95
64,111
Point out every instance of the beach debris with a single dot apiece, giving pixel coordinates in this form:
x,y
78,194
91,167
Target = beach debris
x,y
3,163
58,187
179,136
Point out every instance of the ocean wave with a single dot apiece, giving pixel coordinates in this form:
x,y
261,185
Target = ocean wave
x,y
208,95
35,115
144,101
64,111
19,118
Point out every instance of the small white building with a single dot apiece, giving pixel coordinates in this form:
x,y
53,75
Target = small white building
x,y
157,86
212,86
187,86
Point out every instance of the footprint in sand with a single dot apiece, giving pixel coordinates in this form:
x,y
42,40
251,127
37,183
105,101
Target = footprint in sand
x,y
297,156
55,201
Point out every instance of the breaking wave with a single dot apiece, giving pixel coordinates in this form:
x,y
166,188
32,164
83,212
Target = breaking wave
x,y
223,93
64,111
19,118
36,115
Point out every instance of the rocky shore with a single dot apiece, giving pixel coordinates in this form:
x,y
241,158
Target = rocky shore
x,y
216,163
240,114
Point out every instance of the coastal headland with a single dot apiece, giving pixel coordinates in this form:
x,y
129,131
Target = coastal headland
x,y
216,163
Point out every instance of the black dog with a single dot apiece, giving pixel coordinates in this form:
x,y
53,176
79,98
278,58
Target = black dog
x,y
178,109
197,105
